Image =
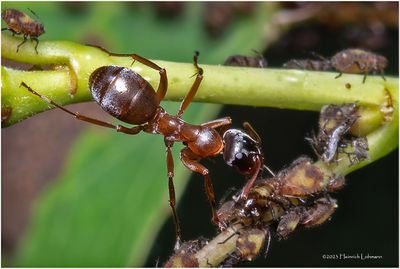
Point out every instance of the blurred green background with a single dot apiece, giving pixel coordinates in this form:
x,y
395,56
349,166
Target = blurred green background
x,y
77,195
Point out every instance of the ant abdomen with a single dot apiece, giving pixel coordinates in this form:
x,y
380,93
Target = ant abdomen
x,y
124,94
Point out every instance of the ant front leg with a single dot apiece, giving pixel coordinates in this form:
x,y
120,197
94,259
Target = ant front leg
x,y
163,85
119,128
190,160
171,188
256,168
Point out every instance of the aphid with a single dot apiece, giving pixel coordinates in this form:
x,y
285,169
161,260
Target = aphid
x,y
306,64
358,61
251,241
184,256
335,124
246,61
242,150
20,23
316,214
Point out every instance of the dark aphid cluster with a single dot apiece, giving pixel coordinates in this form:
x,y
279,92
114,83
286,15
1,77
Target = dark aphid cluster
x,y
296,197
334,136
20,23
351,61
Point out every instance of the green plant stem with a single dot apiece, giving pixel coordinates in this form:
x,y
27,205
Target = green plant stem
x,y
281,88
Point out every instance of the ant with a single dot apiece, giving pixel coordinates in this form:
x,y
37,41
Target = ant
x,y
125,95
20,23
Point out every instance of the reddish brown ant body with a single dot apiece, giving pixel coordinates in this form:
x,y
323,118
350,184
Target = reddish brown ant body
x,y
128,97
20,23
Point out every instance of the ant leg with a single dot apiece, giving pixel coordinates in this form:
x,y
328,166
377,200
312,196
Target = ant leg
x,y
253,178
253,134
163,85
171,188
37,43
218,122
193,90
3,29
21,43
190,161
119,128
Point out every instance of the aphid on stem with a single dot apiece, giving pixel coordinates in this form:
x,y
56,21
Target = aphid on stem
x,y
20,23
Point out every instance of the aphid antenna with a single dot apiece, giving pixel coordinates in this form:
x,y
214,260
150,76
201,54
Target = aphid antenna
x,y
318,56
269,170
33,12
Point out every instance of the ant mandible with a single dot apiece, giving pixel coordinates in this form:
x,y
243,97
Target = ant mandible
x,y
125,95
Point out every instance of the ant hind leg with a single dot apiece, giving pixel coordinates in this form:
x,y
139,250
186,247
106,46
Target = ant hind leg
x,y
119,128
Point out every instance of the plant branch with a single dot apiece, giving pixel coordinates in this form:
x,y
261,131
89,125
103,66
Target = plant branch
x,y
73,63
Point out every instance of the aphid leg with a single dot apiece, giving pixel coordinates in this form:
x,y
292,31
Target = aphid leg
x,y
193,90
365,77
267,243
250,183
163,85
21,43
338,76
171,188
37,43
383,75
190,161
119,128
3,29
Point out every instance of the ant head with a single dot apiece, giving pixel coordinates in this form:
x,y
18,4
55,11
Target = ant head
x,y
240,150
